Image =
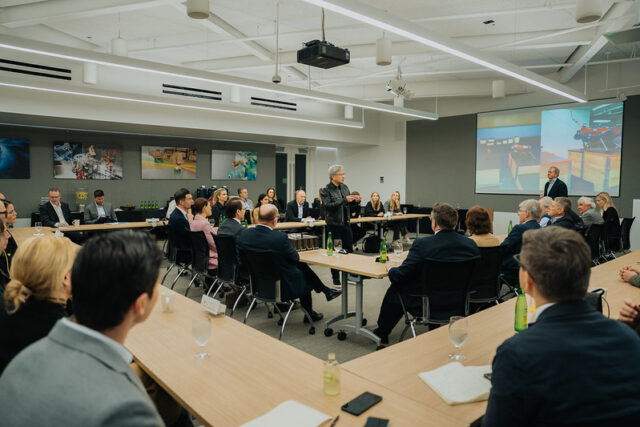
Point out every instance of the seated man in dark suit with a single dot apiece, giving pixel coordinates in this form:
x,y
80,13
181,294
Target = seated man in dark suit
x,y
572,366
555,187
563,216
529,215
55,213
234,211
298,209
99,210
297,279
179,222
79,375
445,245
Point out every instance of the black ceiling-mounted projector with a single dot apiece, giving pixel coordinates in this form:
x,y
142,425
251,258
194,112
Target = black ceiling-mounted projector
x,y
322,54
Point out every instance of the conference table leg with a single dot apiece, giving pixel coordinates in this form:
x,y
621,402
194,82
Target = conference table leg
x,y
417,227
357,328
345,314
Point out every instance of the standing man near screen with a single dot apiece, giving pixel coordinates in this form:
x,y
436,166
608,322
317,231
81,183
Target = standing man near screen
x,y
555,187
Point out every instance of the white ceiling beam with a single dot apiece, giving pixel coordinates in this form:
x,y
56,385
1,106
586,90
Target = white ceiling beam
x,y
584,54
43,32
60,10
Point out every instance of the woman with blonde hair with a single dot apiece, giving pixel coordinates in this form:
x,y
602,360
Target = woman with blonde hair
x,y
273,199
374,206
4,275
399,227
611,221
36,296
218,200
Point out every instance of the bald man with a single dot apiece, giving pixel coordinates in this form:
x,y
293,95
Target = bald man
x,y
296,278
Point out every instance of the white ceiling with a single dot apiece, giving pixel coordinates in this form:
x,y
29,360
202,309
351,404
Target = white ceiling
x,y
239,38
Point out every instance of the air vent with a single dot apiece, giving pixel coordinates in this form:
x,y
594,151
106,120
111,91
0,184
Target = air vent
x,y
272,103
279,149
34,69
303,151
191,92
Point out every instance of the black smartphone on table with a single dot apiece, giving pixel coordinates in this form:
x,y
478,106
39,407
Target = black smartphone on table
x,y
361,403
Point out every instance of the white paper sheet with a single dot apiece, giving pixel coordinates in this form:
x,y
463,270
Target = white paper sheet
x,y
290,414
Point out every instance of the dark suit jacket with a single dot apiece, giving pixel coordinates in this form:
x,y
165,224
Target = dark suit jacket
x,y
369,211
564,221
513,243
292,211
559,189
572,367
230,227
216,211
261,238
446,245
180,226
48,215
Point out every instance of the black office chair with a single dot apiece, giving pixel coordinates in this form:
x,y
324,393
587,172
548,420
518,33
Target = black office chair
x,y
180,257
227,268
612,239
625,233
445,293
266,287
485,284
199,259
593,235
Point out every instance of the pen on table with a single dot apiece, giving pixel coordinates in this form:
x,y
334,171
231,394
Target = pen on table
x,y
335,420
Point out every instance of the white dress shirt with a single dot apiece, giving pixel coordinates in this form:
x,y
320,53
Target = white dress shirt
x,y
100,209
553,181
59,212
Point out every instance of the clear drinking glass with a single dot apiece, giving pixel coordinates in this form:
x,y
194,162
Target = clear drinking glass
x,y
201,332
404,210
337,246
458,333
38,228
397,250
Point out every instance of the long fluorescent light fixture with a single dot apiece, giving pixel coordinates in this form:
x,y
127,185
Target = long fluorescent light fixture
x,y
56,51
378,18
66,91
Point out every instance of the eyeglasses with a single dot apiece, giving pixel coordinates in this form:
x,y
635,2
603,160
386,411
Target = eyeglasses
x,y
522,266
3,213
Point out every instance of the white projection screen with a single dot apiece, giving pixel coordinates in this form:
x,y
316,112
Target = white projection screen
x,y
515,148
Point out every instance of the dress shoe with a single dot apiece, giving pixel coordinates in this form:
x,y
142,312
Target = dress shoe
x,y
332,294
315,316
384,338
337,283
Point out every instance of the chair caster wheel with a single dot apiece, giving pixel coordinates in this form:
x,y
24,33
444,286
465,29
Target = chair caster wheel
x,y
280,322
270,315
342,335
312,330
380,347
364,322
328,332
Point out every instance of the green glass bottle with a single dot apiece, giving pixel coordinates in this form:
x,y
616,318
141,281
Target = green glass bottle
x,y
245,223
510,227
141,204
521,312
383,250
331,376
220,220
329,245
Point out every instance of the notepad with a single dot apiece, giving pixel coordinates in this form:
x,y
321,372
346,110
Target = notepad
x,y
457,384
290,414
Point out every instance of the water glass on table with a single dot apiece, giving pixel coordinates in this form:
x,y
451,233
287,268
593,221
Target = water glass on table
x,y
337,246
397,250
458,333
201,332
38,226
404,210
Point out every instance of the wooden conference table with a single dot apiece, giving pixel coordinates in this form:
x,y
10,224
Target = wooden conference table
x,y
249,373
397,366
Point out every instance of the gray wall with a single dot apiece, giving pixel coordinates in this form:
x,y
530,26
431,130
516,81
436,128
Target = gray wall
x,y
441,163
131,189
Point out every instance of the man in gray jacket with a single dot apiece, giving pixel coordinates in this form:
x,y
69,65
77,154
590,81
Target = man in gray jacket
x,y
99,209
79,375
588,212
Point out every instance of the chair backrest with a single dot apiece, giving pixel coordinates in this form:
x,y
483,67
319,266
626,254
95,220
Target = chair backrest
x,y
611,235
446,284
594,237
264,274
485,277
171,244
199,252
625,230
227,257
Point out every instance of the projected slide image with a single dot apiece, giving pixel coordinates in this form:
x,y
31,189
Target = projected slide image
x,y
516,148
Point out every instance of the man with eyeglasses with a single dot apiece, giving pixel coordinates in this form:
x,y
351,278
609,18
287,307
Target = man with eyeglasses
x,y
337,203
529,215
572,365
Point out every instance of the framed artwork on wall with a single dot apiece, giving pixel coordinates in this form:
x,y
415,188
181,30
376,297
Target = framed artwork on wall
x,y
234,165
168,163
14,158
77,160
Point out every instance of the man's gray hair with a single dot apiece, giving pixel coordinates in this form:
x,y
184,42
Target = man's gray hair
x,y
587,201
533,207
300,191
564,203
555,170
546,201
333,170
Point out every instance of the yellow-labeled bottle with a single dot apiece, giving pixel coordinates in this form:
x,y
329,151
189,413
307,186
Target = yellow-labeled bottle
x,y
331,376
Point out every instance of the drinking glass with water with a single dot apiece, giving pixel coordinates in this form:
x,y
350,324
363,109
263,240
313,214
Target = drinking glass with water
x,y
458,333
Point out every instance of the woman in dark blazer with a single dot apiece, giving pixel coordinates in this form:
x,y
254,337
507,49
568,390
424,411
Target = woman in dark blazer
x,y
374,207
273,199
611,221
37,295
218,200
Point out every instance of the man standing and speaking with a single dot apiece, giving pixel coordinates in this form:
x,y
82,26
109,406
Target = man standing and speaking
x,y
337,202
555,187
